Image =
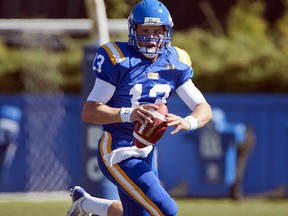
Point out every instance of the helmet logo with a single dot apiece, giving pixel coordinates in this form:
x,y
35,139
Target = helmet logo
x,y
152,21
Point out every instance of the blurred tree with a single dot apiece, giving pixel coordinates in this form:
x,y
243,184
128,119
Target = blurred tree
x,y
119,8
250,56
282,29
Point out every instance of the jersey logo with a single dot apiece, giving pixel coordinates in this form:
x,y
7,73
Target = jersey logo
x,y
171,67
153,76
114,52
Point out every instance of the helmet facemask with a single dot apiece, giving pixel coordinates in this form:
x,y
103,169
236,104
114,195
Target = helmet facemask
x,y
150,46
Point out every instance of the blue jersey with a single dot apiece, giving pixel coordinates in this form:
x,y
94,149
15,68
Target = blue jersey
x,y
139,80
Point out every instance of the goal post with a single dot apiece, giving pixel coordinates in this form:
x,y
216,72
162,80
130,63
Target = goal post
x,y
97,13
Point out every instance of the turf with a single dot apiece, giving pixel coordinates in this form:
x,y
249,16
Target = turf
x,y
227,207
187,207
33,208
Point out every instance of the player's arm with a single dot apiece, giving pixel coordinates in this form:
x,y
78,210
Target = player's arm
x,y
96,111
201,111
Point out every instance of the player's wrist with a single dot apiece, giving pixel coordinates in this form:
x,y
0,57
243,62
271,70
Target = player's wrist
x,y
125,114
192,122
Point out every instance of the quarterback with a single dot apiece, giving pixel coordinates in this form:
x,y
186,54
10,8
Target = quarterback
x,y
131,78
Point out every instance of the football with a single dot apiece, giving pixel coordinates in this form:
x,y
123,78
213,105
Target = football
x,y
149,133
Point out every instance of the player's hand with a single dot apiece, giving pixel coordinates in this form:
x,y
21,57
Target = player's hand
x,y
142,114
178,122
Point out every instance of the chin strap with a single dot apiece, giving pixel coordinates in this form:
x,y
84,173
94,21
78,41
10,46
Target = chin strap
x,y
150,55
144,50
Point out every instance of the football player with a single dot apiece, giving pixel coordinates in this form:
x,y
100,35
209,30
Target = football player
x,y
131,78
10,117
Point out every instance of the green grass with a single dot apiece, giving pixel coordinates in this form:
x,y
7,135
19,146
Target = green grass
x,y
187,207
34,208
227,207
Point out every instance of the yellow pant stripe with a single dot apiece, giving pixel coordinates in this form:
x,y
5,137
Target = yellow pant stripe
x,y
125,181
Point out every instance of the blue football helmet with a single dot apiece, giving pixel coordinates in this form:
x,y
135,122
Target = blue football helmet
x,y
150,13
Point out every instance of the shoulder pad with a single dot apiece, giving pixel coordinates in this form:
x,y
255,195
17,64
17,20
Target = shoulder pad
x,y
183,56
114,52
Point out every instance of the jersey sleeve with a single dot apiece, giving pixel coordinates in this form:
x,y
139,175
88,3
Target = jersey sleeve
x,y
184,57
104,63
185,66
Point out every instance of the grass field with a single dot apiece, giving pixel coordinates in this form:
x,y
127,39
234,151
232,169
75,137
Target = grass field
x,y
24,206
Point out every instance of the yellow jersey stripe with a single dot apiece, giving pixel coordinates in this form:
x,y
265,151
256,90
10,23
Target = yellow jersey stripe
x,y
114,52
124,180
183,56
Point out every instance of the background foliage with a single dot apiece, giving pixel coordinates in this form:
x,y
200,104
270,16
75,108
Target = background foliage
x,y
248,54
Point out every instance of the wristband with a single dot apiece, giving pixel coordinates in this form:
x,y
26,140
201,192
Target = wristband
x,y
192,121
125,114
